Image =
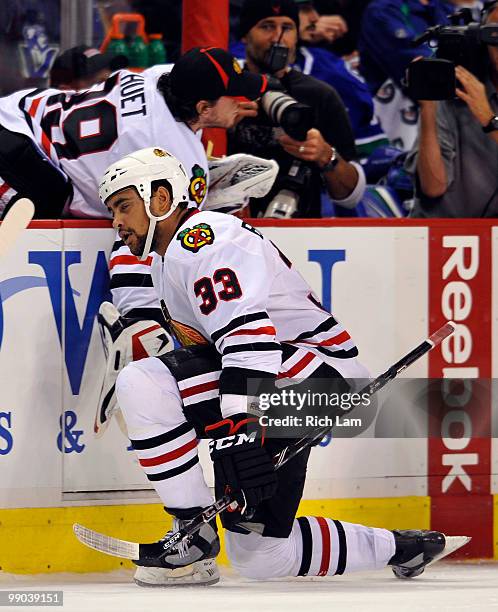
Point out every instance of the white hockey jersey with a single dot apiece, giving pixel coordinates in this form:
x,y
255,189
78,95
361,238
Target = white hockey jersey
x,y
222,282
84,132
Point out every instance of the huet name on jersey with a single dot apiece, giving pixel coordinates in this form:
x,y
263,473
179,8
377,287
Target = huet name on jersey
x,y
132,91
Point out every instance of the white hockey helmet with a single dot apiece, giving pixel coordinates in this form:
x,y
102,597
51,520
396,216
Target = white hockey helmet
x,y
140,169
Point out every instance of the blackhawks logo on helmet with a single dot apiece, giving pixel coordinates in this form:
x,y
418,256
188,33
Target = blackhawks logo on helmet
x,y
193,239
198,185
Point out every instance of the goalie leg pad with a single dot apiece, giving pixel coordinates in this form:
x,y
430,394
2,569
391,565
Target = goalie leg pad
x,y
236,178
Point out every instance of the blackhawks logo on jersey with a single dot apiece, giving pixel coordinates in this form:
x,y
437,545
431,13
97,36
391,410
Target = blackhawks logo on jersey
x,y
198,185
236,66
197,237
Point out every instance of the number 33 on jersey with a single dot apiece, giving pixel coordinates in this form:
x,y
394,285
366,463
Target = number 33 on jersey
x,y
228,285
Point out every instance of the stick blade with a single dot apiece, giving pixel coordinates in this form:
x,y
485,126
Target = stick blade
x,y
16,220
443,332
106,544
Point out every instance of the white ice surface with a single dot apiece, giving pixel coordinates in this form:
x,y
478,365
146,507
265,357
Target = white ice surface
x,y
443,587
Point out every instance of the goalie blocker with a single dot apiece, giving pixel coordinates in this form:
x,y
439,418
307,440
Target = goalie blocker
x,y
124,340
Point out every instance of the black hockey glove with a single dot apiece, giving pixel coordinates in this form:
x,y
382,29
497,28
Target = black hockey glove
x,y
242,465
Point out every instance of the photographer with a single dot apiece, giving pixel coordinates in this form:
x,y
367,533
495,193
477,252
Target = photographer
x,y
270,31
455,159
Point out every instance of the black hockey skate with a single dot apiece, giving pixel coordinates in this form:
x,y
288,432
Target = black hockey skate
x,y
417,548
193,561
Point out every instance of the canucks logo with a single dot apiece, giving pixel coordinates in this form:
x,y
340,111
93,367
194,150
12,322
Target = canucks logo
x,y
197,237
198,185
36,53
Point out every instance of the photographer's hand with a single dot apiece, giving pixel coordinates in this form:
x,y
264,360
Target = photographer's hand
x,y
342,180
474,95
313,149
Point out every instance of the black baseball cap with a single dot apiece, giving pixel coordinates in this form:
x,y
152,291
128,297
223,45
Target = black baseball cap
x,y
208,73
83,61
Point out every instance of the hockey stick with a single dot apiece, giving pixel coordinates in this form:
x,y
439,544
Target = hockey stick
x,y
16,220
134,550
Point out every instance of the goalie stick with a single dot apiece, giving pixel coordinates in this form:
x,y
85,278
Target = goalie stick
x,y
134,550
16,220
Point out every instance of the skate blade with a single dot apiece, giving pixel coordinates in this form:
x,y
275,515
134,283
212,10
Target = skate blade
x,y
453,543
106,544
199,574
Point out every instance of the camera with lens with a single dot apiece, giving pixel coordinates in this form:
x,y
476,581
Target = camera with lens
x,y
286,112
461,43
295,119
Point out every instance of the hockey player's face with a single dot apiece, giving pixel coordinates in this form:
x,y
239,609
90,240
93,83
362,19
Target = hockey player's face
x,y
268,32
129,218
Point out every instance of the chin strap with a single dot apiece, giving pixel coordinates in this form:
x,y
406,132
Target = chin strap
x,y
148,240
152,224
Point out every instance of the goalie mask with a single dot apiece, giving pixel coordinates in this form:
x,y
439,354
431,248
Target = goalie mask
x,y
140,169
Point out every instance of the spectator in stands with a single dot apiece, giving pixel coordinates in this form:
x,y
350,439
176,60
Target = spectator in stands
x,y
385,45
328,151
388,30
326,66
455,160
81,67
351,12
319,28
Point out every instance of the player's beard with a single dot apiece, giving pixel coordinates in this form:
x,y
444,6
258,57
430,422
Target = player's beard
x,y
137,244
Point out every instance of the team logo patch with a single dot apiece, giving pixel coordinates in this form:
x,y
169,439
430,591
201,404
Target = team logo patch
x,y
161,153
197,237
198,185
236,67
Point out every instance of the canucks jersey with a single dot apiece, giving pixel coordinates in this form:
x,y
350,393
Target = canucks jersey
x,y
222,282
82,133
